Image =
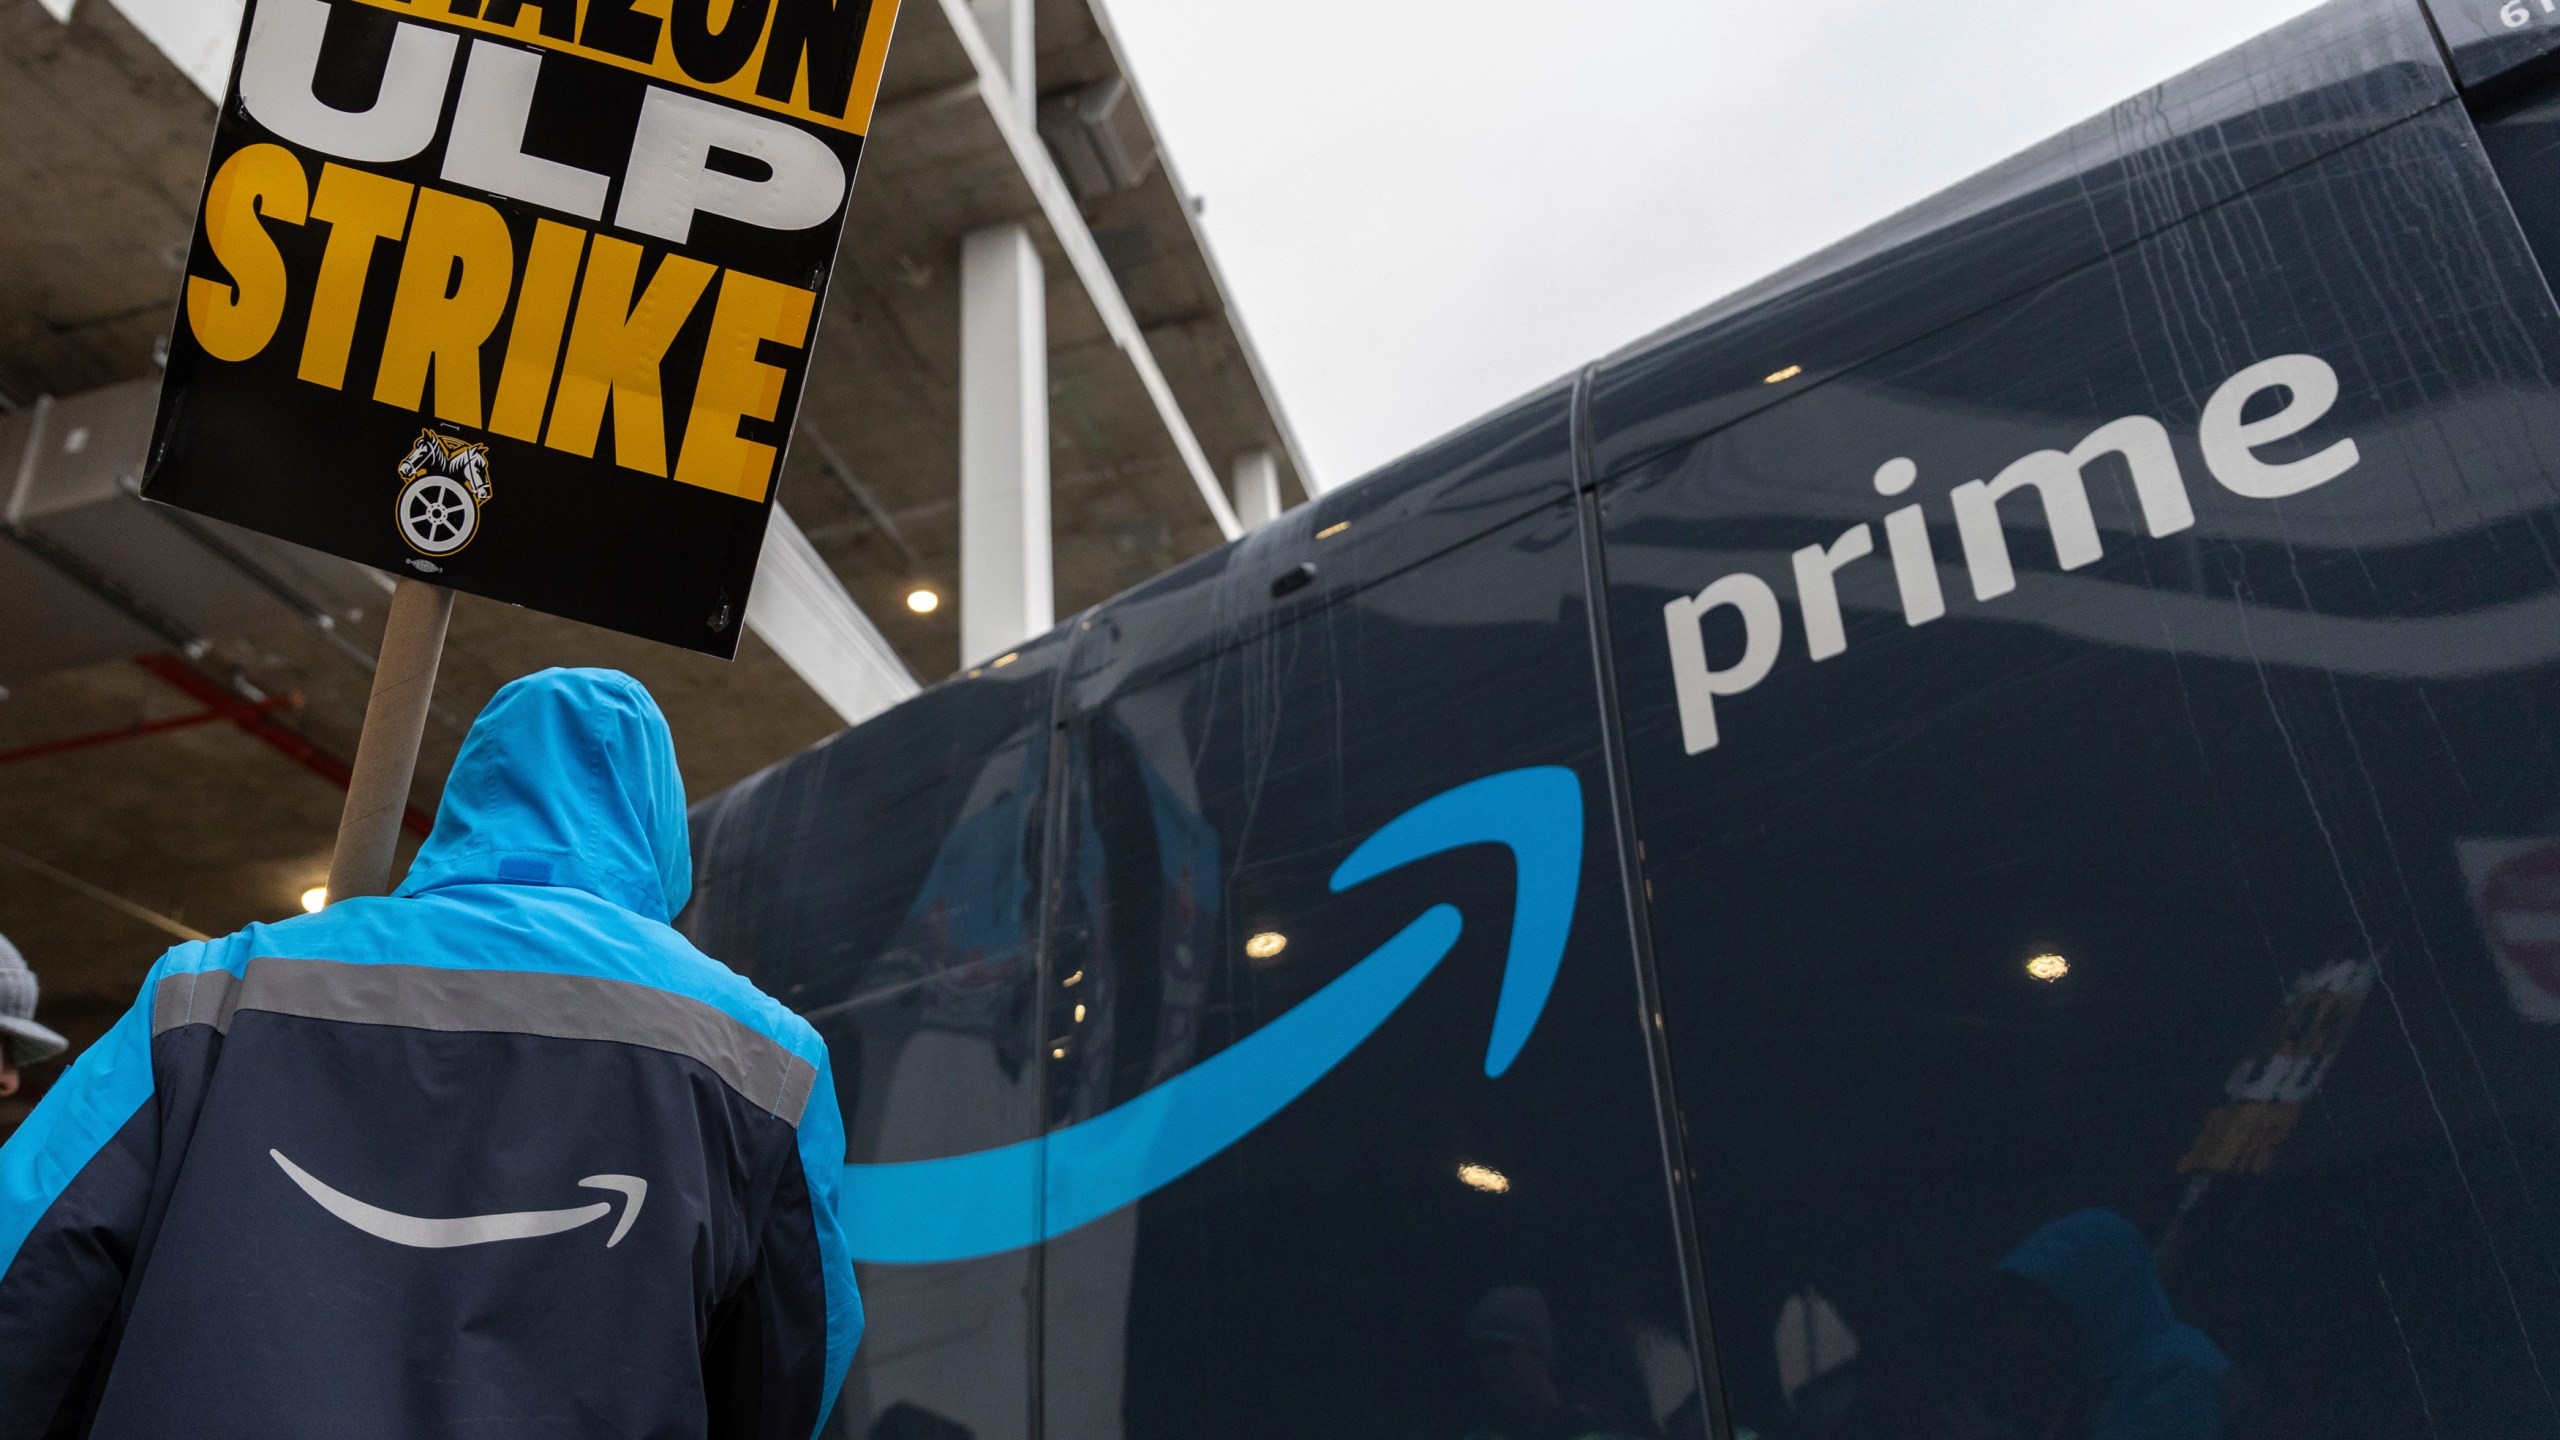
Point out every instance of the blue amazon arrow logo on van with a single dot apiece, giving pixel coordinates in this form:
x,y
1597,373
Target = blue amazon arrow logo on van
x,y
925,1211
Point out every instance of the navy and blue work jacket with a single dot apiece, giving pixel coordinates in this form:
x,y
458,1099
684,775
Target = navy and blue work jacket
x,y
500,1155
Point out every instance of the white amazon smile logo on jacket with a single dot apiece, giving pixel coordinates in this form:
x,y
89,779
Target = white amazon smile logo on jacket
x,y
421,1233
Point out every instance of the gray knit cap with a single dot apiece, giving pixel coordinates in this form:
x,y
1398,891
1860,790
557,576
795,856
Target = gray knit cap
x,y
28,1041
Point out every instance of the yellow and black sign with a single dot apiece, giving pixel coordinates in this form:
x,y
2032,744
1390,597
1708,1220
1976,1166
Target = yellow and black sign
x,y
518,295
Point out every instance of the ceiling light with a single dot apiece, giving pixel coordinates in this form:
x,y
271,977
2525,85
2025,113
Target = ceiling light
x,y
1267,945
314,898
923,601
1782,376
2048,967
1079,1014
1484,1178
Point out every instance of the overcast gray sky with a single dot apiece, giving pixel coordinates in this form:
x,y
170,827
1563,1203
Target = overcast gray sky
x,y
1427,207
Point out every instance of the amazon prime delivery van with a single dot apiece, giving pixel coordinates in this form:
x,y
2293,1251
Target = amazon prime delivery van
x,y
1966,843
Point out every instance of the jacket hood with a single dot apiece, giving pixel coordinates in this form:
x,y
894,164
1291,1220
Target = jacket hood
x,y
2098,1265
568,778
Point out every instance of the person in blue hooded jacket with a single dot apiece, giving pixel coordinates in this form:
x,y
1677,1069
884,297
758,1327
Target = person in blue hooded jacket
x,y
499,1155
2143,1373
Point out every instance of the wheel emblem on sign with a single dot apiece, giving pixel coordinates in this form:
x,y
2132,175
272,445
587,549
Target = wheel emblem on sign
x,y
448,482
437,515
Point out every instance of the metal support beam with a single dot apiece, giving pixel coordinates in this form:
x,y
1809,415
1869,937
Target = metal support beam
x,y
198,36
1007,27
800,609
869,504
1257,485
101,894
1006,593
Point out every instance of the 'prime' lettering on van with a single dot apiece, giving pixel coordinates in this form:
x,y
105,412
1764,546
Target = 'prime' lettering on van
x,y
2059,481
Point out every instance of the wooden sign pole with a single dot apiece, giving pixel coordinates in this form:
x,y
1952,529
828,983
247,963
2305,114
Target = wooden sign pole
x,y
395,721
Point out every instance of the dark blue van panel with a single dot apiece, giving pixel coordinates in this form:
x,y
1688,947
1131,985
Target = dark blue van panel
x,y
1297,935
2491,39
1441,496
2522,135
2061,843
1413,1246
2148,970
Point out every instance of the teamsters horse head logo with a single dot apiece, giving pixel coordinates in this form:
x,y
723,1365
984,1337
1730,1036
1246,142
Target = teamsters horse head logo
x,y
448,482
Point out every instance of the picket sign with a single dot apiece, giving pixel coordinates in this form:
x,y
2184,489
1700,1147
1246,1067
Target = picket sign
x,y
513,297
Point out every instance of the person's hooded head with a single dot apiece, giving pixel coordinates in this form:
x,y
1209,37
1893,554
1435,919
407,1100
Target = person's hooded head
x,y
23,1042
569,779
2155,1378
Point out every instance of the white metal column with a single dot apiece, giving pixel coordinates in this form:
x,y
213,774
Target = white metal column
x,y
1257,488
1006,595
